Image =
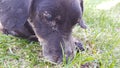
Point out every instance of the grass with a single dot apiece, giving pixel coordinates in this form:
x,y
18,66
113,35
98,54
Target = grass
x,y
101,41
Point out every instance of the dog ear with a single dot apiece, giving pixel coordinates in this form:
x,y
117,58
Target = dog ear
x,y
81,21
81,4
82,24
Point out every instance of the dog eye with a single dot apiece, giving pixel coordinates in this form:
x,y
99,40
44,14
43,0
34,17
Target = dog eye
x,y
47,15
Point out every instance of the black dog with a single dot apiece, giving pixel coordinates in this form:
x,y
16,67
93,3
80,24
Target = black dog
x,y
51,21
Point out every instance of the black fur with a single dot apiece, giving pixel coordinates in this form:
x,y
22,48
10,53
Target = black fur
x,y
51,21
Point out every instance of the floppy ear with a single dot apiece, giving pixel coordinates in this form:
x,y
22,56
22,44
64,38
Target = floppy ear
x,y
82,6
81,21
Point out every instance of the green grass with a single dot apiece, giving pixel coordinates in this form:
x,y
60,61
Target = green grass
x,y
101,41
